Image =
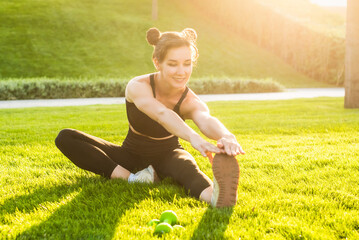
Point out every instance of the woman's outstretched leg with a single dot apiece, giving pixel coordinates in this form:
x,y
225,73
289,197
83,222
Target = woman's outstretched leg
x,y
181,166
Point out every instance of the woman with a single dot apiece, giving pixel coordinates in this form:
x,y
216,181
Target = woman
x,y
157,105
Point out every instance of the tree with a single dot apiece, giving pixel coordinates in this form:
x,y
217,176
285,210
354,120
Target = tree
x,y
352,56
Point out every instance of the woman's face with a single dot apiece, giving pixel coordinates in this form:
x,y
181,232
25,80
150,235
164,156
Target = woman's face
x,y
176,68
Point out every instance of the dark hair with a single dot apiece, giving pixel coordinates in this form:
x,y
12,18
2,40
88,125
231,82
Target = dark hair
x,y
162,42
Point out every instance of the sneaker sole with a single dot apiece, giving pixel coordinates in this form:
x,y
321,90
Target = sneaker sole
x,y
226,171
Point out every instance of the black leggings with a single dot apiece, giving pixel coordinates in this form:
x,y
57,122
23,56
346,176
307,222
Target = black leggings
x,y
101,157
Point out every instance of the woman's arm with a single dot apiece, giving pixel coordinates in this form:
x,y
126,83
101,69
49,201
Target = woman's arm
x,y
141,95
213,128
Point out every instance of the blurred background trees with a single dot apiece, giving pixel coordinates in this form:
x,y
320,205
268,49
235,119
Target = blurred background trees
x,y
352,56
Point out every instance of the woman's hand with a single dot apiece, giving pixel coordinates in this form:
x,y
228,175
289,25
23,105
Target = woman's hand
x,y
229,145
204,147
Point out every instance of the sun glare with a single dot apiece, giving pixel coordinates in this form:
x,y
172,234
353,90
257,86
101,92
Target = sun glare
x,y
330,3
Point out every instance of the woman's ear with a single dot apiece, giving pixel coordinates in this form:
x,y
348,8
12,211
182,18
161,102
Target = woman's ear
x,y
157,64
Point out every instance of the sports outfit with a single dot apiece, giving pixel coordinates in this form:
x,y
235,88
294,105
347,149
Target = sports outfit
x,y
137,152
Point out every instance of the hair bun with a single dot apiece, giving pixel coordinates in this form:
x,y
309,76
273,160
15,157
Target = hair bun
x,y
153,36
190,34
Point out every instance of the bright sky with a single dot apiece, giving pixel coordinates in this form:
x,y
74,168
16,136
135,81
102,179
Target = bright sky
x,y
330,2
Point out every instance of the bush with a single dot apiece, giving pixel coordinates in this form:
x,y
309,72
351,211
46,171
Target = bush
x,y
214,86
53,89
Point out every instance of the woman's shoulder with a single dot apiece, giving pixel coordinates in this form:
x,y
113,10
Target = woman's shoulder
x,y
191,97
141,79
137,84
192,103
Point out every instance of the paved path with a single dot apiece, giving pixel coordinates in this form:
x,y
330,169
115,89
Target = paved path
x,y
288,94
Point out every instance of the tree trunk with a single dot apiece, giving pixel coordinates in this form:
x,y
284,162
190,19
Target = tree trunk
x,y
352,56
154,9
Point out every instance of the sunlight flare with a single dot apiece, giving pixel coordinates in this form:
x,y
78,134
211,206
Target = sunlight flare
x,y
330,3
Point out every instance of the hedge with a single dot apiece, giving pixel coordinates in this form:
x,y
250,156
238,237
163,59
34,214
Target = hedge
x,y
54,89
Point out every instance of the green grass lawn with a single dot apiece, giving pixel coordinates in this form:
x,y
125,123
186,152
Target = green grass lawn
x,y
299,177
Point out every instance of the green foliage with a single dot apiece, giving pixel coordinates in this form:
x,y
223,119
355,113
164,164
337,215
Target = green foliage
x,y
299,177
225,85
52,88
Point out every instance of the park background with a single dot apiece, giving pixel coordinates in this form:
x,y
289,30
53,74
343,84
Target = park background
x,y
299,177
62,49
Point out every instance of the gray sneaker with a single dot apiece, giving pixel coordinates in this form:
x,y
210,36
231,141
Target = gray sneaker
x,y
225,180
147,175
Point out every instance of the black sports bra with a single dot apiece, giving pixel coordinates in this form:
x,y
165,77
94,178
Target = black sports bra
x,y
145,125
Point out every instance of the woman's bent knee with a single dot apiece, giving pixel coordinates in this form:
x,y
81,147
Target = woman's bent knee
x,y
63,136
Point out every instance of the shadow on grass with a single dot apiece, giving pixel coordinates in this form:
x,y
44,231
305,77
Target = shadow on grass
x,y
213,223
92,214
29,202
